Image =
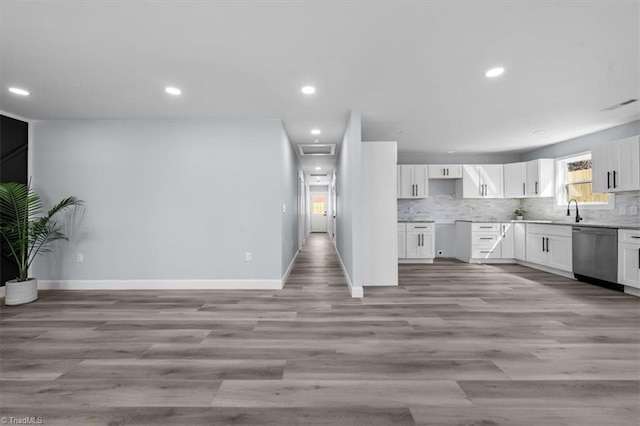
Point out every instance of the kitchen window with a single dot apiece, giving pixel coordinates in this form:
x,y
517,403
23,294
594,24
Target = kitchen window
x,y
573,181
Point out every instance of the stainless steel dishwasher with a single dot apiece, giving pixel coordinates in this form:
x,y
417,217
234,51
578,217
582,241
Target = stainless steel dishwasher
x,y
595,254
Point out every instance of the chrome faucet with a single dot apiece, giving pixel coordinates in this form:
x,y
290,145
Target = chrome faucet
x,y
578,217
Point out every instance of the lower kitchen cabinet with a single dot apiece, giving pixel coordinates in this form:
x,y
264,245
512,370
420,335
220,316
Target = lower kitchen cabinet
x,y
520,240
402,240
418,242
629,258
484,242
550,245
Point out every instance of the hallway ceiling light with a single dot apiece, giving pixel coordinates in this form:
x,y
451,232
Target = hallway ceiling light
x,y
316,132
494,72
173,91
538,132
18,91
318,168
308,90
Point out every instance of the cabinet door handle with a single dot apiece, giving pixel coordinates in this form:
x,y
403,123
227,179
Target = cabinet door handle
x,y
608,180
421,227
543,244
536,187
421,239
633,236
447,171
524,192
614,179
548,245
486,251
486,238
444,171
486,227
639,258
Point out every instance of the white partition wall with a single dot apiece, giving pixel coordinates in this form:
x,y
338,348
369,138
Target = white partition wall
x,y
379,214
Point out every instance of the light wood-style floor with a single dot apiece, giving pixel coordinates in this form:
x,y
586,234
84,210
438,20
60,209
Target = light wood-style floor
x,y
454,344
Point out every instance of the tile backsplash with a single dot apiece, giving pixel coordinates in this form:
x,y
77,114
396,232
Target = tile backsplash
x,y
544,209
446,208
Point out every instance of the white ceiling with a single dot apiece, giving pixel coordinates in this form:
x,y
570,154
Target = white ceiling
x,y
409,66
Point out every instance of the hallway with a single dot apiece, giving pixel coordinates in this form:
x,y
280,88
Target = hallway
x,y
453,344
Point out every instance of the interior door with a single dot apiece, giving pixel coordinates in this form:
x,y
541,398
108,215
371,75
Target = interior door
x,y
318,212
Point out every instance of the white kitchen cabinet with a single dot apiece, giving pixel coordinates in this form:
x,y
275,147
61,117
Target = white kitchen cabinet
x,y
481,181
540,178
515,180
413,181
507,240
616,166
419,242
629,258
402,240
550,245
445,171
484,242
520,240
529,179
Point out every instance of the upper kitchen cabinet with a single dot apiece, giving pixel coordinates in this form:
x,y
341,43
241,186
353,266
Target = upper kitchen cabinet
x,y
616,166
412,180
529,179
515,180
445,171
481,181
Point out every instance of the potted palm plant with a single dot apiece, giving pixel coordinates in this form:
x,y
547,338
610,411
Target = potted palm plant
x,y
27,230
519,213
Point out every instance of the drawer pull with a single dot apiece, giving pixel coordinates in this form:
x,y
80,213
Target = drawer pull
x,y
636,237
486,251
486,227
421,227
486,238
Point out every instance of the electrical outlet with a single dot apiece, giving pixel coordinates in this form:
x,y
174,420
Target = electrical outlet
x,y
79,257
622,210
247,256
632,210
440,252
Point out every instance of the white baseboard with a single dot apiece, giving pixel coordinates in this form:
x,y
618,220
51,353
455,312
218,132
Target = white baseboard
x,y
288,271
547,269
2,291
355,291
160,284
632,291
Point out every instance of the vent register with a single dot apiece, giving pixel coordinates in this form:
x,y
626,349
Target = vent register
x,y
317,149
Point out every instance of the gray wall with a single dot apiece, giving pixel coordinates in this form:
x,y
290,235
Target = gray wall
x,y
348,174
289,188
422,158
584,143
165,199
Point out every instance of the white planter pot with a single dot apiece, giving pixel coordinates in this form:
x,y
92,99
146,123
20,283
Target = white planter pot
x,y
18,293
519,217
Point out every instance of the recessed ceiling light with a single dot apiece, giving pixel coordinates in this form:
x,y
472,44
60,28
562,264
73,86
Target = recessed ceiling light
x,y
316,132
494,72
308,90
18,91
318,168
173,91
538,132
316,140
450,152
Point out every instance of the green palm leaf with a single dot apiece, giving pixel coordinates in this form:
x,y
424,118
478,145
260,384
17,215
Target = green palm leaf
x,y
25,228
